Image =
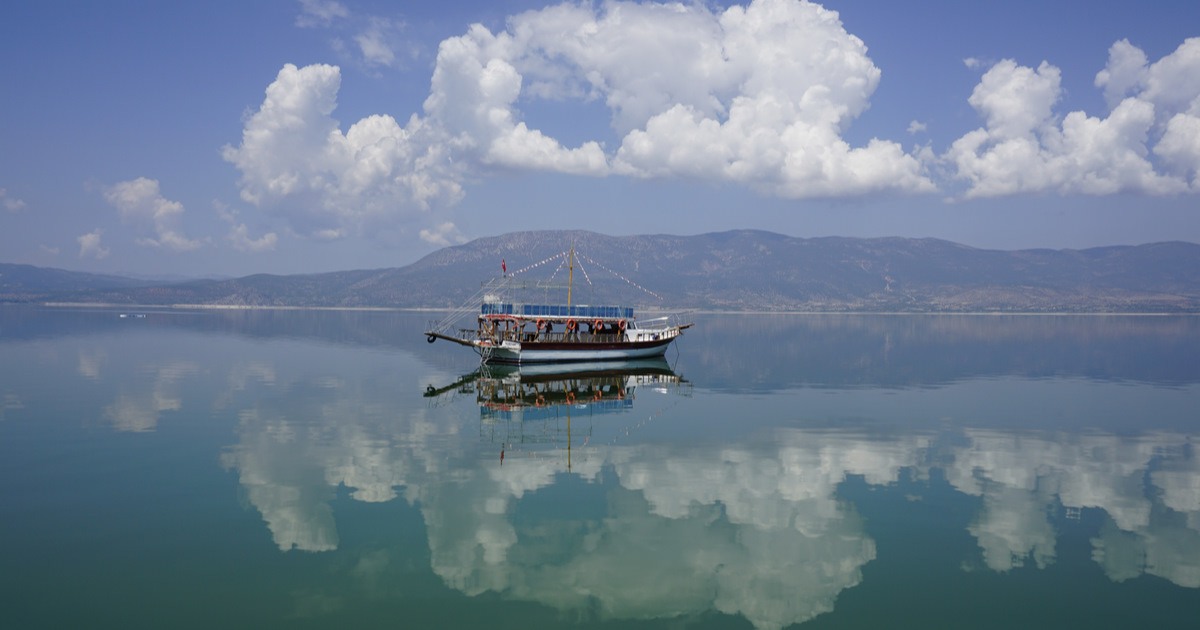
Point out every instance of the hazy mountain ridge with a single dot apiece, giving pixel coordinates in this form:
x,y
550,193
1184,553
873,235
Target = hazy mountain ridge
x,y
21,282
737,270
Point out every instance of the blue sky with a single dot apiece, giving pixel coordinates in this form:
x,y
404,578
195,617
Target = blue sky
x,y
229,138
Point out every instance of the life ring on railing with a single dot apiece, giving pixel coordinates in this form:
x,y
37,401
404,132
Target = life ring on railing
x,y
621,325
597,396
541,324
541,400
570,398
597,325
570,324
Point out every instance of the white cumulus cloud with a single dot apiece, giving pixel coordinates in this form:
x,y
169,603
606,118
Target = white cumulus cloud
x,y
757,95
1172,83
1149,143
139,201
1172,86
296,160
781,81
1180,147
90,247
474,90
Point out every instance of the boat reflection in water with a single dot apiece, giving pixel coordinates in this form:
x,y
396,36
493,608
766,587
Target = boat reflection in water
x,y
529,408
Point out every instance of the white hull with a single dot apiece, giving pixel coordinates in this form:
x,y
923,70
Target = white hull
x,y
513,352
637,344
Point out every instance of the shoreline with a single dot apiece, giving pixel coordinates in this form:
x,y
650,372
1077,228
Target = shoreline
x,y
234,307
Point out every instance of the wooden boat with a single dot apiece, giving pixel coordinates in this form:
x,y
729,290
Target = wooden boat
x,y
597,387
527,409
512,331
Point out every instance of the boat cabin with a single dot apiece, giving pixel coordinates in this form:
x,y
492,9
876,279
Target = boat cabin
x,y
502,321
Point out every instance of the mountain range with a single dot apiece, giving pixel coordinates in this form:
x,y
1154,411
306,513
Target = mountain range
x,y
737,270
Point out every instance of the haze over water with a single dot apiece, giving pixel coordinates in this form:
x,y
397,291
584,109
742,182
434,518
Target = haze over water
x,y
317,469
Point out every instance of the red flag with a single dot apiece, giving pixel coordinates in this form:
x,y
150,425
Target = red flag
x,y
503,267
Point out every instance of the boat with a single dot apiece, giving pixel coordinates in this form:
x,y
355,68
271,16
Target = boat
x,y
528,409
597,386
521,331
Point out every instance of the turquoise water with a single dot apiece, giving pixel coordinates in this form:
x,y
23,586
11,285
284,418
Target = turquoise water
x,y
332,469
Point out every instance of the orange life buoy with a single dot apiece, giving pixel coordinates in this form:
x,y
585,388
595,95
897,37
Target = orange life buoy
x,y
570,324
597,396
570,397
621,325
541,324
597,325
541,400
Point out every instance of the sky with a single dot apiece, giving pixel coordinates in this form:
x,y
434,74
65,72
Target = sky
x,y
282,136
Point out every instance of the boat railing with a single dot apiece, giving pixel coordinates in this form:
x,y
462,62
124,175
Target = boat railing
x,y
671,320
667,326
524,336
569,337
471,306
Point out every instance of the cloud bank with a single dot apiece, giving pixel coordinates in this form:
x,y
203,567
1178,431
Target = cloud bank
x,y
758,96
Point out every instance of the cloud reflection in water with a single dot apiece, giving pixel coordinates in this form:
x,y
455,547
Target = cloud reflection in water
x,y
755,528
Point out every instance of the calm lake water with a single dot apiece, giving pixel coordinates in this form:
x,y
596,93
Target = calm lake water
x,y
254,469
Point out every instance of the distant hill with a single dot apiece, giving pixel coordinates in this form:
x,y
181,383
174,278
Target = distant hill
x,y
738,270
23,283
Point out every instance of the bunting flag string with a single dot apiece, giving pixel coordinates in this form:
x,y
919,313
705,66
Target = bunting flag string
x,y
557,269
538,264
589,258
581,268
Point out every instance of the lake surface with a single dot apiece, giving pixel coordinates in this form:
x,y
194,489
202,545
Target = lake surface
x,y
253,469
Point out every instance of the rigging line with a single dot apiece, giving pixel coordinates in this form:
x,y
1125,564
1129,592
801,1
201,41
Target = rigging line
x,y
455,315
619,275
585,275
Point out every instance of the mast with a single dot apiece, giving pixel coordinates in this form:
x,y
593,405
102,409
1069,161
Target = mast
x,y
571,273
